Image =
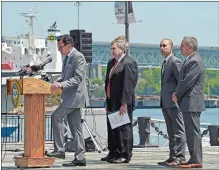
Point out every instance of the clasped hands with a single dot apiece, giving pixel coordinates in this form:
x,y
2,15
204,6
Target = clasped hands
x,y
174,98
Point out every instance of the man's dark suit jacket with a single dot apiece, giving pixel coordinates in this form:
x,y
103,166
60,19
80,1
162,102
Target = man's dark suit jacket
x,y
122,83
169,81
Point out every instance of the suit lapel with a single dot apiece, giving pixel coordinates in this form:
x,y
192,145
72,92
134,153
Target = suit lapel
x,y
184,64
63,63
68,61
161,71
186,60
117,67
182,70
110,67
166,66
63,66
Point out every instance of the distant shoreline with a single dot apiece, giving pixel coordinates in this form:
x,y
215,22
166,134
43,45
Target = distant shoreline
x,y
49,110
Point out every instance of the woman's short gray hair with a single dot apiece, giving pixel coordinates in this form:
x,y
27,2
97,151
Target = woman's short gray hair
x,y
121,42
191,41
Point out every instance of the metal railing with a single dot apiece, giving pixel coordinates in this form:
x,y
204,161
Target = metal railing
x,y
158,132
17,121
157,137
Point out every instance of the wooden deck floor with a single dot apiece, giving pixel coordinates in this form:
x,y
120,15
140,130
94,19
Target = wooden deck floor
x,y
144,158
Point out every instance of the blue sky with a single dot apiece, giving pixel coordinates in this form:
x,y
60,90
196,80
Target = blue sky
x,y
159,20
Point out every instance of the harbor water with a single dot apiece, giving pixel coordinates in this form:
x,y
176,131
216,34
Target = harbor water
x,y
211,115
97,122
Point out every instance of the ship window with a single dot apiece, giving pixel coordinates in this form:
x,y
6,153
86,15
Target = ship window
x,y
25,51
14,42
37,50
18,42
42,50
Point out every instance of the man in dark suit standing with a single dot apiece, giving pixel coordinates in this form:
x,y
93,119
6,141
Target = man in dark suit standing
x,y
121,79
190,96
173,118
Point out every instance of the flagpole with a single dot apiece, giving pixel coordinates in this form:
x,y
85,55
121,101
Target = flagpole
x,y
218,23
78,4
127,26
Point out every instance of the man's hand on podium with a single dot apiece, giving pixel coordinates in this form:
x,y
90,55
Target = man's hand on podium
x,y
56,85
28,69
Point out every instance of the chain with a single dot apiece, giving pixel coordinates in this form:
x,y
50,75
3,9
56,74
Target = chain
x,y
135,123
205,132
160,132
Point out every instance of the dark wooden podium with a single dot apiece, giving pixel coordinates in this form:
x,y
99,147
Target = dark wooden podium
x,y
34,91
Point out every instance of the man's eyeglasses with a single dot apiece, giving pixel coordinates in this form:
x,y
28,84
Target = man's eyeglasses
x,y
62,47
163,45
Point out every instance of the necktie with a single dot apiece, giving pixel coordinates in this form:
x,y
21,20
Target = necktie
x,y
163,66
66,58
108,86
64,62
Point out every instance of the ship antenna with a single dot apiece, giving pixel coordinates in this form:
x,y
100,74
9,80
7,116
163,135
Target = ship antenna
x,y
30,16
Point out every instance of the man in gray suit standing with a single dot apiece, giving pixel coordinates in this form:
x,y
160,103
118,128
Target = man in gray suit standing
x,y
74,89
173,118
190,96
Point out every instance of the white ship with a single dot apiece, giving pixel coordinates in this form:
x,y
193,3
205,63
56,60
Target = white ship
x,y
27,49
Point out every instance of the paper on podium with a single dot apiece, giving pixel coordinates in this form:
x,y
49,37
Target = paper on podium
x,y
117,120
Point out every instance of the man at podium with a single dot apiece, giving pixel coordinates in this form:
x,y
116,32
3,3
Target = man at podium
x,y
74,89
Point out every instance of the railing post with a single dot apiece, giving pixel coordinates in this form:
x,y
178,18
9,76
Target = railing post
x,y
18,128
21,127
144,130
51,128
214,135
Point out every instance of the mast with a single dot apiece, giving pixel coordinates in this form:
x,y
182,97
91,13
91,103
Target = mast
x,y
30,16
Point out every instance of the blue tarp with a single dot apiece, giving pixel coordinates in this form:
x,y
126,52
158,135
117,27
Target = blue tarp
x,y
7,131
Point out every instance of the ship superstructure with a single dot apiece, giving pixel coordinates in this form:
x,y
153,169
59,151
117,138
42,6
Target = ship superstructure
x,y
24,49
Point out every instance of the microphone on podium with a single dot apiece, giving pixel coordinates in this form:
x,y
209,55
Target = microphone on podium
x,y
34,68
23,70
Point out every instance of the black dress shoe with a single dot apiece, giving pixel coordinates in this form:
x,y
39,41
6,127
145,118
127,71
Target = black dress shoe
x,y
112,159
56,154
120,160
76,162
107,157
164,163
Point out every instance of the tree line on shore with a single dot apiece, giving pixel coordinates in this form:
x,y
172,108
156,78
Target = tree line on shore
x,y
149,82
